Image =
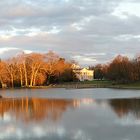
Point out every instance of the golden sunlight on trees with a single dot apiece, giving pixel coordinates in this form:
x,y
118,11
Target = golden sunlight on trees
x,y
35,63
3,73
35,69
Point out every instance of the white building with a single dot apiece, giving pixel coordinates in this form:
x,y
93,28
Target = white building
x,y
84,74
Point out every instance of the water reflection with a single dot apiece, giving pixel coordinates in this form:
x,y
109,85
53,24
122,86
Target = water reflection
x,y
37,109
77,119
123,107
30,109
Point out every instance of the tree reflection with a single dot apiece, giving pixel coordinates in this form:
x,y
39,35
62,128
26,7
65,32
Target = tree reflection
x,y
35,109
123,107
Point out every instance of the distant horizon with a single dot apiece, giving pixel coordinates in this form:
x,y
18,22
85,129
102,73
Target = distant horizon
x,y
6,56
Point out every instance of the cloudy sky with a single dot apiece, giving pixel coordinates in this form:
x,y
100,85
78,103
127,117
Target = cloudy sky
x,y
88,31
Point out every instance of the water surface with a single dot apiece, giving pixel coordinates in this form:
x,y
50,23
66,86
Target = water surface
x,y
59,114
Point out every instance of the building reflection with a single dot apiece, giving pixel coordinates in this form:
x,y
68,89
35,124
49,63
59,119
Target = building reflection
x,y
85,101
122,107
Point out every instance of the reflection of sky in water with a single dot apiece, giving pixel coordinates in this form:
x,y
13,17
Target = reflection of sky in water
x,y
83,119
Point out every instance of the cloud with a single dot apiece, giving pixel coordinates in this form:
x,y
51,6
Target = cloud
x,y
75,29
8,52
3,50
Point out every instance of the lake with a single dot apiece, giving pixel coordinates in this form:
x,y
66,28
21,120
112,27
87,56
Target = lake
x,y
74,114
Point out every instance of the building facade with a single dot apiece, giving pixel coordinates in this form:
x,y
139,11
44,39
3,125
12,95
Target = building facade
x,y
84,74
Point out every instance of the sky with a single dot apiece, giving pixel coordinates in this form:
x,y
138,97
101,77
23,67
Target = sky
x,y
87,31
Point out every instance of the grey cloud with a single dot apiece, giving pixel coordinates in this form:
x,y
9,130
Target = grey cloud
x,y
86,28
52,11
112,26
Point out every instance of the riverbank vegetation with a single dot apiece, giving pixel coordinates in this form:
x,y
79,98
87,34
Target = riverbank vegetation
x,y
121,70
39,70
35,69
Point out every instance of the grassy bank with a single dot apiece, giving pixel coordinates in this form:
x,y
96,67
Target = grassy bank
x,y
135,85
86,84
97,84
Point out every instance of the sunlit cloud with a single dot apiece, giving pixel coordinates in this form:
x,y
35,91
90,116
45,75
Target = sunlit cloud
x,y
126,9
7,52
6,49
27,51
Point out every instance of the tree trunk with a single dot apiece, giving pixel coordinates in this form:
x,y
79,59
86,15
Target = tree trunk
x,y
32,77
35,75
34,81
25,75
21,78
1,82
12,81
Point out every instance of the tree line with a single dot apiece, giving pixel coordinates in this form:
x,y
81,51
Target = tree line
x,y
120,70
35,69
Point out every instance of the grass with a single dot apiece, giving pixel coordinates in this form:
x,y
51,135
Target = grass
x,y
101,84
92,84
85,84
97,82
135,85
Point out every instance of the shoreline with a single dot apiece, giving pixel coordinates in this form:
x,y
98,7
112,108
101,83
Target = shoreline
x,y
77,85
95,86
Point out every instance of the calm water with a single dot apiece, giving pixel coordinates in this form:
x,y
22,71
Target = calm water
x,y
59,114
